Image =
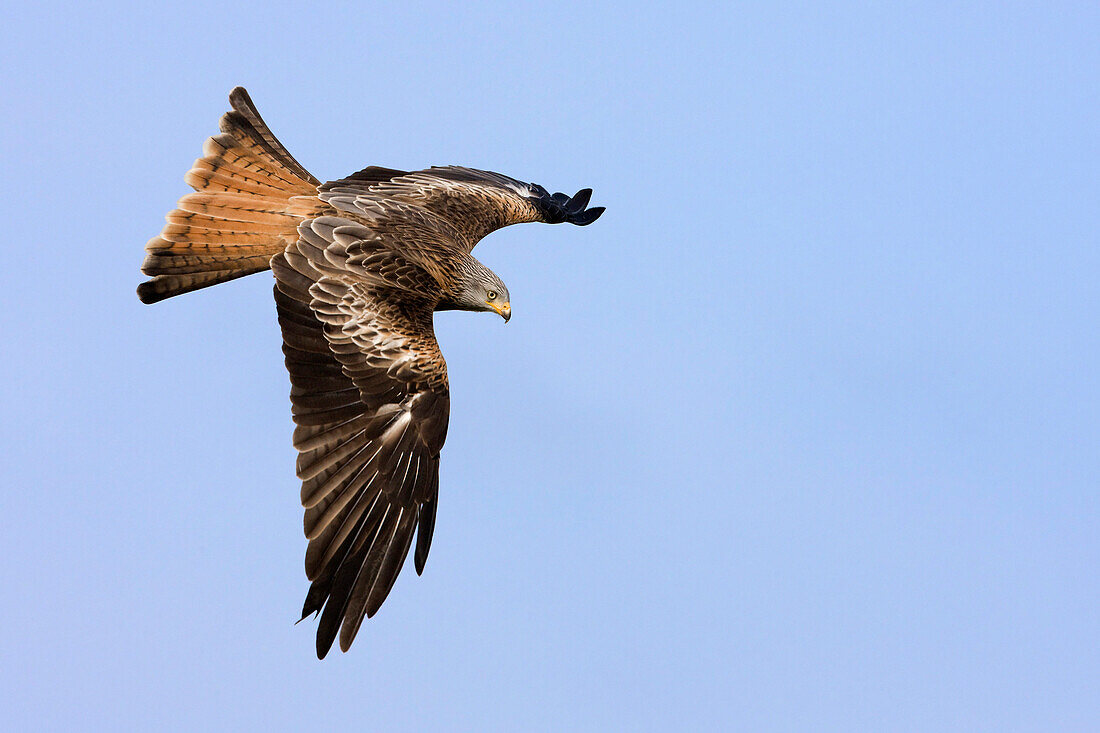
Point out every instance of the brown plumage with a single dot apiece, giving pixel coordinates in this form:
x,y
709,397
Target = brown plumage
x,y
360,264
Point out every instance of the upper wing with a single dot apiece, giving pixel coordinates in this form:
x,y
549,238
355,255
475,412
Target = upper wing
x,y
371,403
475,202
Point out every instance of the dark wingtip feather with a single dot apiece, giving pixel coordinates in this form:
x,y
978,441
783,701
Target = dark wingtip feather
x,y
588,216
326,636
425,529
579,201
315,598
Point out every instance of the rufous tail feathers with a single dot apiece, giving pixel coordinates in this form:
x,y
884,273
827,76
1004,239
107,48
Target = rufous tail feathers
x,y
240,214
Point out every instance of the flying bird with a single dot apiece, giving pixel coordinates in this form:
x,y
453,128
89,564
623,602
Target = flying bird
x,y
360,264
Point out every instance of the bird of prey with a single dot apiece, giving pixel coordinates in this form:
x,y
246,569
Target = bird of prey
x,y
360,266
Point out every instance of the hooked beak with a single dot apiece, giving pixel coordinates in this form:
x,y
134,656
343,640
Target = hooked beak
x,y
503,309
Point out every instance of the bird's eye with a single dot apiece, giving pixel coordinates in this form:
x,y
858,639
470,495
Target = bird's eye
x,y
491,295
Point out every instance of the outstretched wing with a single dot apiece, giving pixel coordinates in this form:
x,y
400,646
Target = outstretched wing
x,y
371,402
475,202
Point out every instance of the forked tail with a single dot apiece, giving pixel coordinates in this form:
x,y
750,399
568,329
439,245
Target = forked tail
x,y
239,217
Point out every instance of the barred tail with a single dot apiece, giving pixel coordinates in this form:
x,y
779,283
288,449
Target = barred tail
x,y
240,215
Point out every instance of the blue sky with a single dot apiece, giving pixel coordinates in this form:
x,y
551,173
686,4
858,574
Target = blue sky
x,y
801,435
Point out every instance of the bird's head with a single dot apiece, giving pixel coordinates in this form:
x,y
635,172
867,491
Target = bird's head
x,y
482,290
557,208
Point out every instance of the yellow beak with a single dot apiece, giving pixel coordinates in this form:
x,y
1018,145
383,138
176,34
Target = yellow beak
x,y
504,309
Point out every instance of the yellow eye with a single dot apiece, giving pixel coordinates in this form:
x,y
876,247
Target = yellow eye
x,y
491,295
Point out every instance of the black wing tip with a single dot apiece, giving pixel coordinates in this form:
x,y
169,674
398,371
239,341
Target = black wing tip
x,y
326,636
588,216
425,528
578,201
559,208
310,608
